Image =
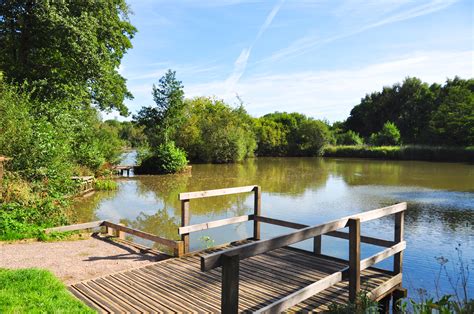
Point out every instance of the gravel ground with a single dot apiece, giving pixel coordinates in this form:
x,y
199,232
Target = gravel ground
x,y
74,261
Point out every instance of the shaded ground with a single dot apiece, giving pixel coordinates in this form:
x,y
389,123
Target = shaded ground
x,y
73,261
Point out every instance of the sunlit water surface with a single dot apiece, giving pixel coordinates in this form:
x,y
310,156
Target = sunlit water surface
x,y
439,219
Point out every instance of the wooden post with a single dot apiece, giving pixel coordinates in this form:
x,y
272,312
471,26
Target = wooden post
x,y
230,284
120,233
398,294
399,230
109,231
179,251
384,305
317,245
257,208
354,258
185,222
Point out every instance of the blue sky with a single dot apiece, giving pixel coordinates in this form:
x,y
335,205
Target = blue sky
x,y
317,57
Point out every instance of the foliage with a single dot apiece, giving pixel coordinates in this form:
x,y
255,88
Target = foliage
x,y
129,132
207,241
167,158
161,121
349,138
409,152
424,114
215,132
36,290
291,134
105,185
389,135
67,52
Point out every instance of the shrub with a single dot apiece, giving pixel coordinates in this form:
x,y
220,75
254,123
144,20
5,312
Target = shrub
x,y
105,185
389,135
349,138
167,158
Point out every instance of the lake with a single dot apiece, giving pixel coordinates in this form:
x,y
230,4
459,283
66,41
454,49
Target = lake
x,y
439,219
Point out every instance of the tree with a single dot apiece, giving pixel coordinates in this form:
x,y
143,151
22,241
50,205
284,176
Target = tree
x,y
389,135
349,138
162,121
67,51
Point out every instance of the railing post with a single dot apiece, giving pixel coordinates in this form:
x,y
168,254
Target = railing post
x,y
317,245
399,230
230,284
120,233
185,222
354,258
257,207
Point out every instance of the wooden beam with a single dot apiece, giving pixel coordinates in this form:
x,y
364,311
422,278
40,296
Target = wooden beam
x,y
209,193
302,294
354,258
398,237
214,224
257,208
184,223
230,284
278,222
212,261
141,234
364,239
374,259
317,244
87,225
382,289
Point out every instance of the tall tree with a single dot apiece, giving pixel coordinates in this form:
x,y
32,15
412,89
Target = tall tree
x,y
67,50
163,119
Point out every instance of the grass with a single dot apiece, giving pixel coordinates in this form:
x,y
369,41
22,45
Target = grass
x,y
106,185
409,152
36,291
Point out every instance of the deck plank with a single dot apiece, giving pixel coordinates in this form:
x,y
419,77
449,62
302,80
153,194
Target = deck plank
x,y
178,284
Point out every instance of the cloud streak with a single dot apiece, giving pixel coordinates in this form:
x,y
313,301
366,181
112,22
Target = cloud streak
x,y
310,42
240,63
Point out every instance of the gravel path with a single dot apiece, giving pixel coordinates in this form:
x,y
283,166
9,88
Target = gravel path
x,y
73,261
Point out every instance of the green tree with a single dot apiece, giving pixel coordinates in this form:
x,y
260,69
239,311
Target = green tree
x,y
162,120
389,135
67,50
349,138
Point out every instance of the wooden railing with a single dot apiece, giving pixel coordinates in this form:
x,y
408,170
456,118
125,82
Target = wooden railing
x,y
120,231
185,198
229,259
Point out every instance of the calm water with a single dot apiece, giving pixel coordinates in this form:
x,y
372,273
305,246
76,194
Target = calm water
x,y
440,198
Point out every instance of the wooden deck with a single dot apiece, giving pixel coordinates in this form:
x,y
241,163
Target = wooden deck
x,y
178,284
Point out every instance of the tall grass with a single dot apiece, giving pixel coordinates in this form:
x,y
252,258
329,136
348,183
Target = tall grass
x,y
408,152
105,185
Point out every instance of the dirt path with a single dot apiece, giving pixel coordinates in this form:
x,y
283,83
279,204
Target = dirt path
x,y
73,261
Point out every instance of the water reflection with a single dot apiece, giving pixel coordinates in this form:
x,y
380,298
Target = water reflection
x,y
311,191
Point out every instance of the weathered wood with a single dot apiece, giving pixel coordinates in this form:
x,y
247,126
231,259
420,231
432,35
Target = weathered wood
x,y
398,237
83,226
382,289
364,239
354,258
212,260
230,284
302,294
384,305
214,224
278,222
184,223
141,234
317,244
120,234
179,251
257,209
374,259
219,192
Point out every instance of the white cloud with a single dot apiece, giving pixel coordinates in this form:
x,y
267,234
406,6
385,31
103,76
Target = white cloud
x,y
332,94
389,14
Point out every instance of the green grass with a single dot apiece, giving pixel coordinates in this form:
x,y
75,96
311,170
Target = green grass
x,y
106,185
36,291
409,152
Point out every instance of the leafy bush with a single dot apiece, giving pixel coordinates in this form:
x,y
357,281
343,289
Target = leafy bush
x,y
389,135
349,138
166,159
105,185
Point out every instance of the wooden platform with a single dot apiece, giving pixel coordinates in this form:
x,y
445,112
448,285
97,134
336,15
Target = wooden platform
x,y
179,285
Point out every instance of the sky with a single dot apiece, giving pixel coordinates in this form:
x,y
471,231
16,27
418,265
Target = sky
x,y
317,57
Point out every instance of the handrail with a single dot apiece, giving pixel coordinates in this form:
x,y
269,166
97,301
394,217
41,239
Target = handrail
x,y
230,259
212,261
185,198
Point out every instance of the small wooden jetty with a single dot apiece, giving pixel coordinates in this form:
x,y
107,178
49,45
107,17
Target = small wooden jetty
x,y
86,183
251,275
122,169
